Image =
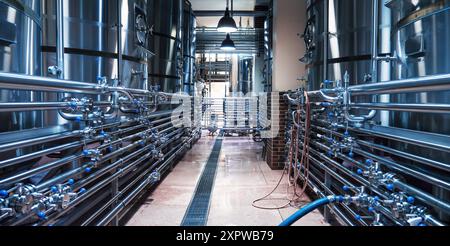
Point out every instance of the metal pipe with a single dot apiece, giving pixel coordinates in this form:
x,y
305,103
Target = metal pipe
x,y
422,84
38,154
420,108
119,41
32,106
424,197
118,208
429,199
326,40
98,186
375,30
33,83
66,160
411,157
39,140
44,186
436,180
60,38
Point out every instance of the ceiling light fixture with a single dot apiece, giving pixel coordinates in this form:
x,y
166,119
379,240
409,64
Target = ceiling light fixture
x,y
228,44
227,23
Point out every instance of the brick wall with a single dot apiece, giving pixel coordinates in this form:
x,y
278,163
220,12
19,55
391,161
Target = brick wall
x,y
275,148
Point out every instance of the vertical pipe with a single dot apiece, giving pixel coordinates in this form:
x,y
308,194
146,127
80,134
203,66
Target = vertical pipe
x,y
325,39
60,37
119,41
375,29
179,47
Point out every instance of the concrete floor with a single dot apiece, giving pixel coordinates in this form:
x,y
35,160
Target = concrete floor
x,y
242,177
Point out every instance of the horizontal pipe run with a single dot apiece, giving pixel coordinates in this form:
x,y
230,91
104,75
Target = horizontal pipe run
x,y
60,162
33,83
418,108
423,139
38,154
358,178
425,161
403,169
40,140
34,106
59,136
429,199
420,194
98,186
12,81
44,186
411,157
423,84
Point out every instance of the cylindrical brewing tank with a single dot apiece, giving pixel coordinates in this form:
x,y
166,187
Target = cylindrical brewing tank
x,y
20,52
165,69
349,40
420,38
189,40
91,39
245,80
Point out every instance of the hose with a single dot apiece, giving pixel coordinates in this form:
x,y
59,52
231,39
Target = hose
x,y
309,208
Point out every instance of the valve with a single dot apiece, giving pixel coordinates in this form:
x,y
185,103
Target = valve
x,y
4,194
94,154
155,177
54,70
82,191
41,215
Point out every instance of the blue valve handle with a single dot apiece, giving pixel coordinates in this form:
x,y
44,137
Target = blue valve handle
x,y
41,215
4,193
54,189
390,187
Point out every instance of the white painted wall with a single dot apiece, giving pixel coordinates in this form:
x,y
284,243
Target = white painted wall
x,y
289,20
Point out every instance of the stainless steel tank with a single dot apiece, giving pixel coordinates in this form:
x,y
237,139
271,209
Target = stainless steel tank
x,y
165,69
348,40
91,39
420,40
420,37
189,42
20,52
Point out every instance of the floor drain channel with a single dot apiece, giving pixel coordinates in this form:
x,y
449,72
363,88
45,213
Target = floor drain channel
x,y
198,210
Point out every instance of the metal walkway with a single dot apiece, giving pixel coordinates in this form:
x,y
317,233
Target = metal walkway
x,y
198,210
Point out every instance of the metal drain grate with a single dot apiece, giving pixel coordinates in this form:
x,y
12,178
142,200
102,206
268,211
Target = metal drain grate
x,y
198,210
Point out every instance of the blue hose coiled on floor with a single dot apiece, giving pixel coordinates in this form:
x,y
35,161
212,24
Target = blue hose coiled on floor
x,y
309,208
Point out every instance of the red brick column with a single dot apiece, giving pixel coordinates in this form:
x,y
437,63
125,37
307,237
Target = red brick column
x,y
276,147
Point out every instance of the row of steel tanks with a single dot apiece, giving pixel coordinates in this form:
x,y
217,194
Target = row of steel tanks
x,y
412,41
